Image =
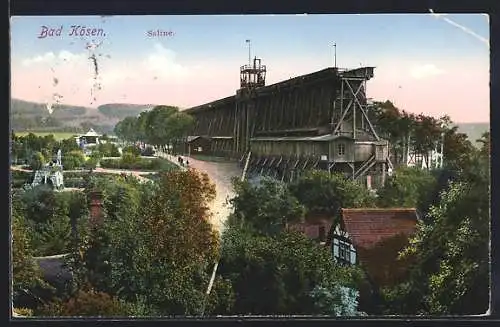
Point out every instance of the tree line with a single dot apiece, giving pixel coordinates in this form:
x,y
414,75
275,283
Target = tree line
x,y
162,126
419,132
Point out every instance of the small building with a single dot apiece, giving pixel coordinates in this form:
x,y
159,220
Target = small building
x,y
198,145
373,238
91,138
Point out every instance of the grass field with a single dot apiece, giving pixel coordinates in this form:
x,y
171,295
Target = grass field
x,y
57,135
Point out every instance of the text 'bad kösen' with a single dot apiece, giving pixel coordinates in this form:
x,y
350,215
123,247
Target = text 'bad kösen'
x,y
74,30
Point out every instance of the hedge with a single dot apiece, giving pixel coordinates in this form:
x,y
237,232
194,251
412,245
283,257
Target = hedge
x,y
140,164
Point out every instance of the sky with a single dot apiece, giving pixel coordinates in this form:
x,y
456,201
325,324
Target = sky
x,y
424,63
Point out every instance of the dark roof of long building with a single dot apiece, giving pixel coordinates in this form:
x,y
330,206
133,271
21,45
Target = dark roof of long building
x,y
320,75
368,226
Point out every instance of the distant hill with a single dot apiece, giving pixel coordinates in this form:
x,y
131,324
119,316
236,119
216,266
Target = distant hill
x,y
473,130
32,116
122,110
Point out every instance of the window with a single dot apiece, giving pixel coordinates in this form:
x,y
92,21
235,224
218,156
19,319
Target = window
x,y
341,149
343,252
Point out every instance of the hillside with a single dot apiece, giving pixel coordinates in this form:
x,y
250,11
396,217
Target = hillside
x,y
26,115
122,110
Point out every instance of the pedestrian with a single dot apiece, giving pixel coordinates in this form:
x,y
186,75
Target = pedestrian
x,y
187,163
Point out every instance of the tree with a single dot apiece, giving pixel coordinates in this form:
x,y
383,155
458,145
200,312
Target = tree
x,y
325,194
68,145
37,161
158,247
163,125
485,141
86,302
73,159
26,275
457,149
408,188
126,129
450,249
37,204
266,208
157,132
284,274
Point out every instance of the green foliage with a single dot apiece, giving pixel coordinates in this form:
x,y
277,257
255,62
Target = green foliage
x,y
322,193
131,149
26,275
108,150
20,178
277,275
37,204
408,188
96,155
47,215
72,160
457,149
266,208
131,162
450,250
68,145
160,126
37,161
154,237
336,301
86,303
54,237
90,163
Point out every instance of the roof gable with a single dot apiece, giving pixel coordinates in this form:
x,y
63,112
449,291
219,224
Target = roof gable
x,y
91,132
368,226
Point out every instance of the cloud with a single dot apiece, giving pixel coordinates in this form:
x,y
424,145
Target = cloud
x,y
51,58
47,57
163,62
462,27
425,71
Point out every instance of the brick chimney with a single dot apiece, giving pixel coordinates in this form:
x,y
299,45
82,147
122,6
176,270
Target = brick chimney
x,y
96,215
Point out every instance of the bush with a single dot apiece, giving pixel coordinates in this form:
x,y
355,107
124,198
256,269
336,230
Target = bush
x,y
96,154
129,158
108,150
78,182
86,303
37,161
18,183
18,174
134,163
73,159
91,163
132,149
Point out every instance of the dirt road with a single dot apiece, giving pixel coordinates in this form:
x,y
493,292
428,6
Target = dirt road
x,y
220,173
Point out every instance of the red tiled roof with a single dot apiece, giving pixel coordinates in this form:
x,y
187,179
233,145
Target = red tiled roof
x,y
367,226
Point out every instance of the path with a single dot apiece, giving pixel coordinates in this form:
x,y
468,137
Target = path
x,y
221,174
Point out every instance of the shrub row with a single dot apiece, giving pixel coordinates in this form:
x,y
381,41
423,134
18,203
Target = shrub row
x,y
16,174
139,164
19,182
